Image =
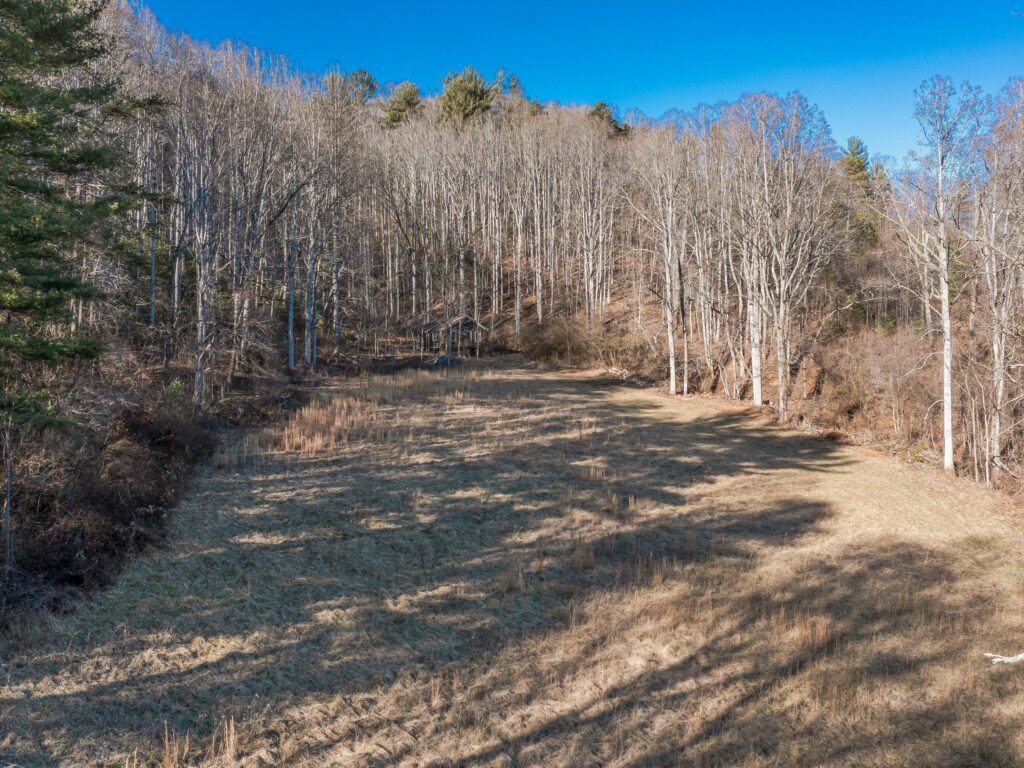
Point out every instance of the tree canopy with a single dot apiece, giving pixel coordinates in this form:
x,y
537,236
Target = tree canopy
x,y
402,103
466,94
53,153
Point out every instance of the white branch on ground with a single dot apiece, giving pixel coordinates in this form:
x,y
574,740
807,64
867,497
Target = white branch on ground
x,y
997,659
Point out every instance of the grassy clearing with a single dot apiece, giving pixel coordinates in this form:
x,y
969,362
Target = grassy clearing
x,y
498,567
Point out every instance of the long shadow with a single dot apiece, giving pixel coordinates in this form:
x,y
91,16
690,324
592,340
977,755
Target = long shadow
x,y
761,687
328,580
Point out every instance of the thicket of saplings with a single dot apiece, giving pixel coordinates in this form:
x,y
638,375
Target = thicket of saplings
x,y
274,222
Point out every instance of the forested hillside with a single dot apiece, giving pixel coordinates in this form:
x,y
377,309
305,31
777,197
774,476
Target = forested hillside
x,y
186,229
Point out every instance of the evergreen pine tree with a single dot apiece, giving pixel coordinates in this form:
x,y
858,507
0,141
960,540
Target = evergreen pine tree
x,y
362,84
605,113
404,102
855,162
52,160
465,96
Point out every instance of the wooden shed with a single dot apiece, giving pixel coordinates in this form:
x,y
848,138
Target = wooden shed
x,y
458,336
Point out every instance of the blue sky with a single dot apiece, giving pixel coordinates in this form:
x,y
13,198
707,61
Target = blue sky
x,y
859,61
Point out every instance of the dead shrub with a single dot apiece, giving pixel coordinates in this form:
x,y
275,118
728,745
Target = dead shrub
x,y
88,499
612,501
871,381
813,632
560,341
575,342
633,354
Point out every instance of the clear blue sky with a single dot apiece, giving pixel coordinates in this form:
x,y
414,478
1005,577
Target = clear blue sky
x,y
859,61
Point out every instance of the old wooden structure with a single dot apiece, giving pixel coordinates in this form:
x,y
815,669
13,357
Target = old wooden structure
x,y
457,336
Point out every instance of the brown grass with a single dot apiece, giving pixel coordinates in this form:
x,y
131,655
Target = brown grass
x,y
496,566
582,556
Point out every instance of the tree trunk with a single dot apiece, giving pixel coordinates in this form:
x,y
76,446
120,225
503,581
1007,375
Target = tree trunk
x,y
290,277
310,310
947,355
669,330
152,268
685,323
754,328
8,515
781,364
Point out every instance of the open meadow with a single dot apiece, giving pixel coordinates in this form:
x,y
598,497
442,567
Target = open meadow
x,y
500,566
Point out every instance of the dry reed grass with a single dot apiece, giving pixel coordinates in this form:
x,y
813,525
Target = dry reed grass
x,y
582,558
333,421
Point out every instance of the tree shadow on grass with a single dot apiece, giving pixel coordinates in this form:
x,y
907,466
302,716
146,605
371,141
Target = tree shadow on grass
x,y
859,659
312,588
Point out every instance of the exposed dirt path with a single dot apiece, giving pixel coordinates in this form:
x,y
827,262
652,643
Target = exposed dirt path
x,y
505,567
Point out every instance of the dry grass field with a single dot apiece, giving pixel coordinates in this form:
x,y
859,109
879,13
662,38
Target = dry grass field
x,y
497,566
